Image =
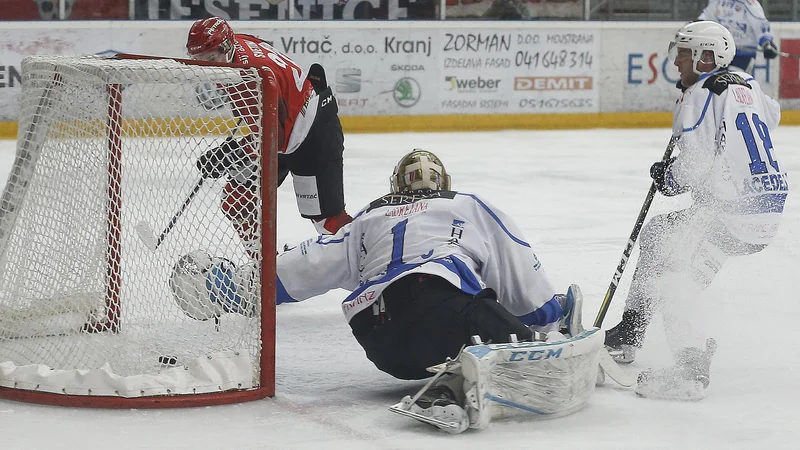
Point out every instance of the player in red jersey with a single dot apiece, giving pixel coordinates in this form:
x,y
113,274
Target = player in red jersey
x,y
311,142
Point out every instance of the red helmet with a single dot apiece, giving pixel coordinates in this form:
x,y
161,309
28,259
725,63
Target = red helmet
x,y
210,34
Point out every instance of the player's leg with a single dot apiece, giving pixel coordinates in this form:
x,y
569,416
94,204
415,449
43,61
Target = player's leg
x,y
240,206
317,169
685,329
424,320
655,241
668,245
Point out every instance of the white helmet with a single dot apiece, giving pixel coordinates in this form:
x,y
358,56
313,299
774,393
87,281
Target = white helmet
x,y
417,170
702,36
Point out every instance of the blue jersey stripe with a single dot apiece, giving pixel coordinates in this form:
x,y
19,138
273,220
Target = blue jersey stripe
x,y
469,283
548,313
702,115
281,296
497,219
764,203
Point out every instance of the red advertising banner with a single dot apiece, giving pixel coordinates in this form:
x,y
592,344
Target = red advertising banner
x,y
73,9
789,86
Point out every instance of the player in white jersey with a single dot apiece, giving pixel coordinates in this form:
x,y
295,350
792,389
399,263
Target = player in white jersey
x,y
428,268
748,24
738,187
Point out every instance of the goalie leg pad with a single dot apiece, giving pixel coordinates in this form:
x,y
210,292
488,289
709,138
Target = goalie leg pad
x,y
205,287
543,378
524,378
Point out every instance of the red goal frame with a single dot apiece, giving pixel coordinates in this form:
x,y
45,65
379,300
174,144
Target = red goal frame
x,y
111,324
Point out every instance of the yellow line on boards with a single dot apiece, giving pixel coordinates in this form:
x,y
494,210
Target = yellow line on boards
x,y
437,123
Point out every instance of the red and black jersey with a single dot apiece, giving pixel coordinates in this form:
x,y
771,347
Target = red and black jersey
x,y
294,88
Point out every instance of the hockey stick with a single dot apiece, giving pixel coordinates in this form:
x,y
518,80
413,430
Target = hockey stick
x,y
614,371
637,227
145,231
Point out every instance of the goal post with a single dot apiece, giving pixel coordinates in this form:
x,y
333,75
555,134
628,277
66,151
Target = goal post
x,y
90,314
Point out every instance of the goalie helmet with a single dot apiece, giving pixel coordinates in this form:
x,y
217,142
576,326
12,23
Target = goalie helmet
x,y
211,40
418,170
703,36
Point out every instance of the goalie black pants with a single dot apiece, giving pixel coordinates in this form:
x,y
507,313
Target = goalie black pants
x,y
320,156
424,320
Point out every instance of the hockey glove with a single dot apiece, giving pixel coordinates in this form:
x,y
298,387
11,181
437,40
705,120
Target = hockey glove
x,y
659,172
770,51
217,161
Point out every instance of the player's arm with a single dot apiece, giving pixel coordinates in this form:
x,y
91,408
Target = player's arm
x,y
318,265
757,21
221,159
515,272
246,107
696,124
773,111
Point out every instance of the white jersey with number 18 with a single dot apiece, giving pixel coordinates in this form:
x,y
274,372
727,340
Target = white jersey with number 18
x,y
727,157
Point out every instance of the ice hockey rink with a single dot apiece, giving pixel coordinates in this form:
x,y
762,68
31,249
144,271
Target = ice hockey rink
x,y
576,195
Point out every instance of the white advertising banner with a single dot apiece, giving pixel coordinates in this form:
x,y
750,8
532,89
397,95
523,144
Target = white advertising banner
x,y
453,70
18,42
377,69
430,68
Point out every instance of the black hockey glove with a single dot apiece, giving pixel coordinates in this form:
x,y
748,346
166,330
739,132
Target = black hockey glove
x,y
658,172
217,161
770,51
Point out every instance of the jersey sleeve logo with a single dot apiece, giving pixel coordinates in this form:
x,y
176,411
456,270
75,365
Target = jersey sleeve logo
x,y
719,83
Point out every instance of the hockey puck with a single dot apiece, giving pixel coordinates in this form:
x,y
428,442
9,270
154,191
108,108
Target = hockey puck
x,y
168,360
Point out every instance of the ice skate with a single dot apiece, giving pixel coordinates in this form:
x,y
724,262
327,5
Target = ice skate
x,y
686,380
572,305
437,406
623,339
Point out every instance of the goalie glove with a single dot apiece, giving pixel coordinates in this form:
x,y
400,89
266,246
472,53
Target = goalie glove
x,y
219,160
770,51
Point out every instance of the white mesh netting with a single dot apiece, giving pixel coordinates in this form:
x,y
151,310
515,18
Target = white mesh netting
x,y
86,306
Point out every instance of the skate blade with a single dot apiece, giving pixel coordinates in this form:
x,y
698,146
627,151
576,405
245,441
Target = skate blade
x,y
447,367
622,356
452,426
614,371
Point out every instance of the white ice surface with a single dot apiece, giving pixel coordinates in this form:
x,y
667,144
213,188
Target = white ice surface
x,y
576,195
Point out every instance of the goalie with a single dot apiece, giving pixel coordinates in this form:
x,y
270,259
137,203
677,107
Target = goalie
x,y
433,270
310,138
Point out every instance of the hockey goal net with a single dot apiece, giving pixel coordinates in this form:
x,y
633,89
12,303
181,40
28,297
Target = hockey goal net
x,y
107,148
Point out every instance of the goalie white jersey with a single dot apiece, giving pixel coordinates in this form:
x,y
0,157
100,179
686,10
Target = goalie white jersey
x,y
727,157
454,235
